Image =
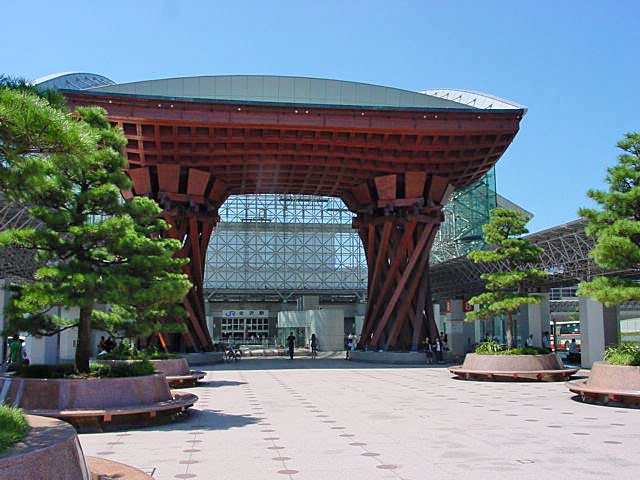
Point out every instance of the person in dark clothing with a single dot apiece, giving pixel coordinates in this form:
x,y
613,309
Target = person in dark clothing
x,y
314,346
291,343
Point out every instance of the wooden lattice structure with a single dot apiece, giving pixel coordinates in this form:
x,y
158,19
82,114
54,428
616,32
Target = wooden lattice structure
x,y
394,167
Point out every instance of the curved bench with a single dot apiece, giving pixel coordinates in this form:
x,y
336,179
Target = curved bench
x,y
540,368
51,450
609,384
98,404
527,375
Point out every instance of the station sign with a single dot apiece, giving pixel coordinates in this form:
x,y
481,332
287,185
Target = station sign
x,y
245,313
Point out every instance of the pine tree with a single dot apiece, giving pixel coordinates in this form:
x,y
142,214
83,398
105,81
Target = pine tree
x,y
507,290
616,227
96,247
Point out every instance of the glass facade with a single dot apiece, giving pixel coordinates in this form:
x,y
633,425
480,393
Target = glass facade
x,y
301,242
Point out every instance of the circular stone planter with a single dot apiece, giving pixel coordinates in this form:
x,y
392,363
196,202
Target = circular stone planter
x,y
609,384
545,367
97,403
175,369
51,450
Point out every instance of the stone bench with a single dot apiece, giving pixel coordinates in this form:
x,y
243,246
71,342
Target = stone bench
x,y
609,384
541,368
97,404
51,450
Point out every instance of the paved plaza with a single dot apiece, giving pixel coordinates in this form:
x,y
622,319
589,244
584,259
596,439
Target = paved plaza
x,y
332,419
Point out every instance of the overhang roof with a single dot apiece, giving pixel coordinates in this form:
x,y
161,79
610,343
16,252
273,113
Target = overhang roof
x,y
281,90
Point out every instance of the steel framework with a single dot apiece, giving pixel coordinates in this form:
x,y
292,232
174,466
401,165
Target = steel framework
x,y
565,258
16,265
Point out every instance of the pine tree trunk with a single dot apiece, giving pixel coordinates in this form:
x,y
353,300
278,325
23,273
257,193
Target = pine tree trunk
x,y
509,330
83,349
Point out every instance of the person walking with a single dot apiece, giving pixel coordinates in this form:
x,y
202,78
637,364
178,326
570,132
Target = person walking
x,y
291,343
314,346
428,350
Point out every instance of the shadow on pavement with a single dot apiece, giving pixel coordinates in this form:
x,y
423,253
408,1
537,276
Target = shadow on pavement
x,y
308,363
206,420
219,383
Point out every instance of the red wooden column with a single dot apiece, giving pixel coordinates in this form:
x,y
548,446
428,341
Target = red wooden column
x,y
398,218
190,199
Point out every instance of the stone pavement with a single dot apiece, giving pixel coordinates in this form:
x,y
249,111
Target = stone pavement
x,y
332,419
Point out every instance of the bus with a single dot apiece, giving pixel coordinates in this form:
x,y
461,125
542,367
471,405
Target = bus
x,y
565,331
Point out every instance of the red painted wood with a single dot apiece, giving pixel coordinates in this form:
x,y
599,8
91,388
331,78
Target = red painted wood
x,y
141,180
168,178
197,182
414,184
386,187
231,148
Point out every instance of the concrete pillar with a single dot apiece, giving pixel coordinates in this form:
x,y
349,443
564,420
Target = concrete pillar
x,y
598,329
538,317
437,317
455,328
359,322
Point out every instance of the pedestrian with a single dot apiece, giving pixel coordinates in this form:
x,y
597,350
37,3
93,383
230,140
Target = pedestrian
x,y
291,343
349,348
438,348
529,341
428,350
15,352
314,346
546,340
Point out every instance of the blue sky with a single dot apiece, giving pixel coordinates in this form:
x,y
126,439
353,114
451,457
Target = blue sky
x,y
573,63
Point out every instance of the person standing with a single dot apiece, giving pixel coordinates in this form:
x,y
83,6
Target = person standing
x,y
529,341
291,343
428,350
438,348
349,348
546,340
15,352
314,346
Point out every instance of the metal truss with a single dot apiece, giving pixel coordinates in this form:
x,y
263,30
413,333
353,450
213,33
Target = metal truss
x,y
464,215
278,247
565,258
16,265
286,245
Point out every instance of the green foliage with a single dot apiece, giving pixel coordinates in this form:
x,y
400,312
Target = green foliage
x,y
13,427
627,353
128,351
63,370
490,348
97,248
52,96
135,369
616,227
507,290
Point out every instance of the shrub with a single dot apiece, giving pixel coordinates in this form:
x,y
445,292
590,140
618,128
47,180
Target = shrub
x,y
46,371
13,427
490,348
126,351
135,369
627,353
